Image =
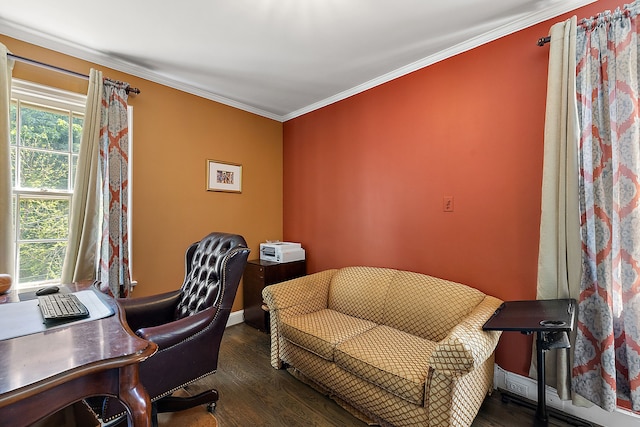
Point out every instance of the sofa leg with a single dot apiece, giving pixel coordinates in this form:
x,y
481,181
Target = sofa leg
x,y
174,404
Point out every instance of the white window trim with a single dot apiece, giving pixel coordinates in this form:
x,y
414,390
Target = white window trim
x,y
37,93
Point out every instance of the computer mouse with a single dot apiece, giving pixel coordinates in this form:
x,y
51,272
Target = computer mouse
x,y
48,290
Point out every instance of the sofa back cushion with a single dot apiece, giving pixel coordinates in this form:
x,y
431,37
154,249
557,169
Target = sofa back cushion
x,y
427,306
361,291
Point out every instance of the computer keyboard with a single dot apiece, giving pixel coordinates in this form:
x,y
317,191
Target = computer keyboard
x,y
61,307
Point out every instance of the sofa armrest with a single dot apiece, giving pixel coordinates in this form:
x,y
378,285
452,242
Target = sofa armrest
x,y
467,346
302,295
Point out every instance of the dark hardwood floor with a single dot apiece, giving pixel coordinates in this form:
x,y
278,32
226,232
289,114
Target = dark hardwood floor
x,y
252,393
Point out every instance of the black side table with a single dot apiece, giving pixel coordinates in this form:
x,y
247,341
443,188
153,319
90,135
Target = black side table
x,y
551,320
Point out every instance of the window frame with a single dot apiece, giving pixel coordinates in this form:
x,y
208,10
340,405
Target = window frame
x,y
23,91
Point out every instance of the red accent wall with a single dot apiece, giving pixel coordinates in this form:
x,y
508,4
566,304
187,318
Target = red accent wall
x,y
365,178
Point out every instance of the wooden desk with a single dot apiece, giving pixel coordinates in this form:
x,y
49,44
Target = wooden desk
x,y
44,372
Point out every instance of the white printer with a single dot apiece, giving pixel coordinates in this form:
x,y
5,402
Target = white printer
x,y
281,252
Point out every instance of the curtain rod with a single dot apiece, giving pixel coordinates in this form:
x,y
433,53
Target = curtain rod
x,y
134,90
543,40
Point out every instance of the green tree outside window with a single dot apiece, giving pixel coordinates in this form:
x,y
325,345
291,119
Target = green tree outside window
x,y
44,147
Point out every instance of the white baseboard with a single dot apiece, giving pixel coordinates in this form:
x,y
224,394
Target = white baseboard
x,y
528,388
237,317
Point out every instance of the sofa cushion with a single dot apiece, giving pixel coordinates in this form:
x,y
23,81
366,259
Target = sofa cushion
x,y
427,306
391,359
360,291
320,331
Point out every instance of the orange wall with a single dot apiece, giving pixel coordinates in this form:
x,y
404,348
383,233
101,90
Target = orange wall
x,y
364,178
174,133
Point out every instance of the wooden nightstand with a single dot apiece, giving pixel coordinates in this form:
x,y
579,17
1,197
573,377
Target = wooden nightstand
x,y
257,275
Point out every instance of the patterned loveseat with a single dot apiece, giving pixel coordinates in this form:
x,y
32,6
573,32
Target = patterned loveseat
x,y
393,347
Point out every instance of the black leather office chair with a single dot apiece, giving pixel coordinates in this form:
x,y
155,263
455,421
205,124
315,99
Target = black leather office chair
x,y
186,324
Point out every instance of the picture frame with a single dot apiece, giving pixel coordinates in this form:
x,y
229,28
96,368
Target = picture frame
x,y
224,176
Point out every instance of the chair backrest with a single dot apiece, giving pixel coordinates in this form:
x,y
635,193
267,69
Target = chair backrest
x,y
209,265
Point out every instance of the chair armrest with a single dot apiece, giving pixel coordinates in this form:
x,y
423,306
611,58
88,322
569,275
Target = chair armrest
x,y
172,333
467,346
151,310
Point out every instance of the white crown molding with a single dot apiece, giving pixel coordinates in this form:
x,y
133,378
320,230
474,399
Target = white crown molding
x,y
90,55
75,50
530,20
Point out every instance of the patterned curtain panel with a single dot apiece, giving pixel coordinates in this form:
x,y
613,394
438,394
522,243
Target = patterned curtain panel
x,y
114,147
607,362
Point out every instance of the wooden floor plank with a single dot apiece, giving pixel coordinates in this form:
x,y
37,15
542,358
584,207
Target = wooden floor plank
x,y
252,393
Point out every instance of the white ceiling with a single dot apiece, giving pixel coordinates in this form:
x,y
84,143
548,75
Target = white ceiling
x,y
276,58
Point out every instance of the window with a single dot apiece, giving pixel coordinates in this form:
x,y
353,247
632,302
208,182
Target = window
x,y
45,128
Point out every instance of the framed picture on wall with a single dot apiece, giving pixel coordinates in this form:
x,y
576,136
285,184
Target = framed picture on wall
x,y
224,176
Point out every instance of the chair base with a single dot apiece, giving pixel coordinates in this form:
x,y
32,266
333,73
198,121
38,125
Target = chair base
x,y
175,404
